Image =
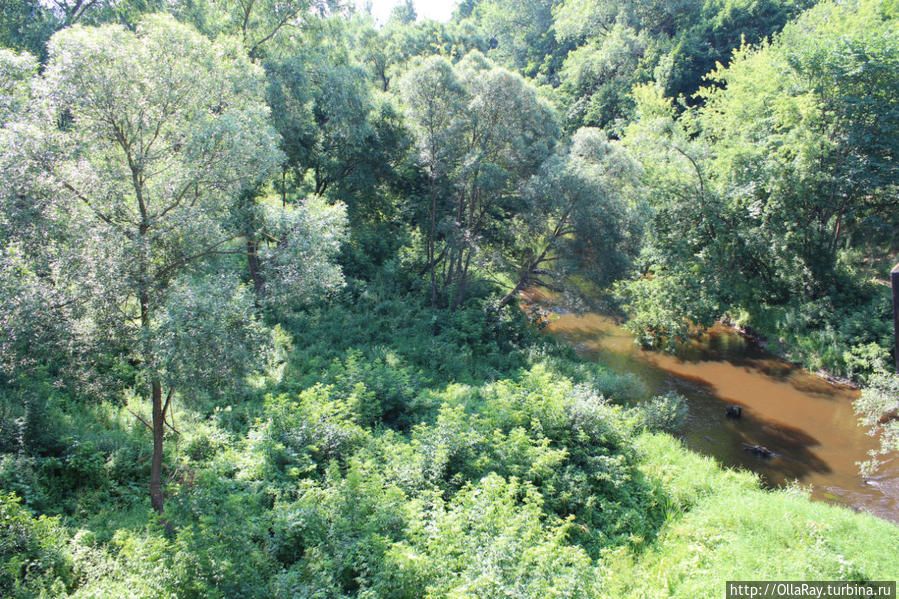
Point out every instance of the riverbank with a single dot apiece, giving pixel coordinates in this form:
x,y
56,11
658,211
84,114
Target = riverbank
x,y
729,529
764,343
805,421
418,453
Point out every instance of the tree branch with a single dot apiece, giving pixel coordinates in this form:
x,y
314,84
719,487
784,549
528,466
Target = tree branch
x,y
106,219
209,251
138,416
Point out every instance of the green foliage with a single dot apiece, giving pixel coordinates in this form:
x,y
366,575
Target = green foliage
x,y
619,44
26,25
340,138
337,540
32,561
755,196
16,72
352,408
576,224
598,77
521,36
878,409
667,308
138,183
480,131
300,267
491,541
666,412
527,484
721,27
818,162
847,333
733,531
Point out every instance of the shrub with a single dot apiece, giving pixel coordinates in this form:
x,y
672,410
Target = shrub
x,y
493,540
667,412
32,558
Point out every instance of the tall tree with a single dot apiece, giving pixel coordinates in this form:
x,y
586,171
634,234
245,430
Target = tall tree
x,y
481,131
575,222
16,74
753,196
522,36
334,130
806,133
144,141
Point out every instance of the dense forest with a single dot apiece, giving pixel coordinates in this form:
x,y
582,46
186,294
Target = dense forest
x,y
261,263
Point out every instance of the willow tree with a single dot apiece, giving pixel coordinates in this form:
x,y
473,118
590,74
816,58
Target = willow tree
x,y
16,73
481,131
143,141
576,223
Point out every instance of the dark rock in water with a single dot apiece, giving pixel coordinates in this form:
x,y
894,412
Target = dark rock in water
x,y
759,451
734,412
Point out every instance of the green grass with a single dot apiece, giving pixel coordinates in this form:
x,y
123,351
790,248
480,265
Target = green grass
x,y
413,455
722,527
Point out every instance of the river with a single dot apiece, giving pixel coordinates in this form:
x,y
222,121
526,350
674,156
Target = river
x,y
805,420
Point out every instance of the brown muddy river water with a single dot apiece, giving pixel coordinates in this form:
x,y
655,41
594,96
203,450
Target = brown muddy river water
x,y
806,421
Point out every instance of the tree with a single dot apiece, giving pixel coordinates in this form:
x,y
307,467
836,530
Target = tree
x,y
145,141
404,13
597,77
260,25
585,19
575,222
687,260
387,50
805,132
16,73
720,28
332,127
522,36
618,44
481,131
753,195
26,25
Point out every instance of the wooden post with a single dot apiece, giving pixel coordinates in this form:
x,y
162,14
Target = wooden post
x,y
894,281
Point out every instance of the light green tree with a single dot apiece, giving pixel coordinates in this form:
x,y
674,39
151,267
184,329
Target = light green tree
x,y
805,133
481,132
16,73
576,221
878,409
140,143
753,196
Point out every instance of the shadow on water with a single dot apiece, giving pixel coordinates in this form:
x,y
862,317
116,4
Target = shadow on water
x,y
806,422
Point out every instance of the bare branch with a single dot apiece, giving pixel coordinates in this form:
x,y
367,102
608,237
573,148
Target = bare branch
x,y
138,416
209,251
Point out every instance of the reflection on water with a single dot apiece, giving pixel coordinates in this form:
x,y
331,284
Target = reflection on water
x,y
808,422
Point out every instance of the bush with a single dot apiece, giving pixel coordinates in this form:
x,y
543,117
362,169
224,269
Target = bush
x,y
667,412
32,558
493,540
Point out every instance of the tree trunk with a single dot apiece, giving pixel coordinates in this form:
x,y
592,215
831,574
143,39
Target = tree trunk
x,y
158,432
532,266
156,399
253,265
432,233
894,282
463,280
518,287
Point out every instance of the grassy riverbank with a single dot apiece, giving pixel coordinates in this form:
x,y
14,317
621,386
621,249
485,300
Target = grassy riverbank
x,y
416,454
